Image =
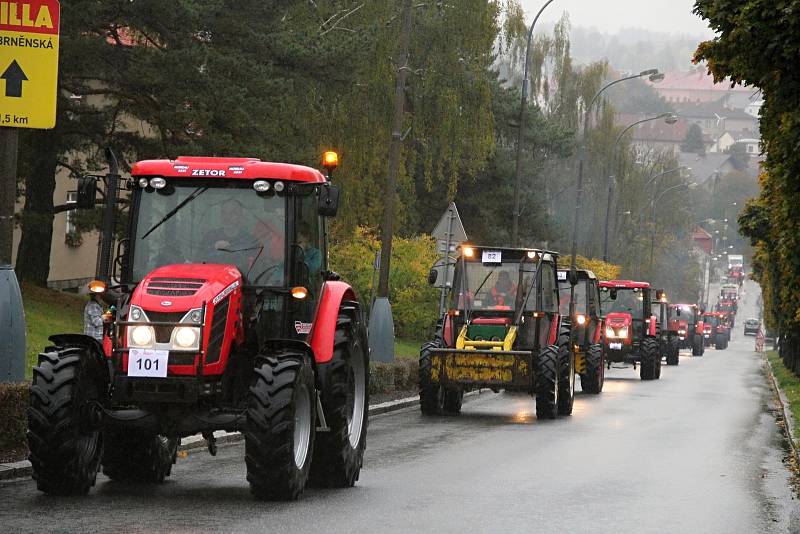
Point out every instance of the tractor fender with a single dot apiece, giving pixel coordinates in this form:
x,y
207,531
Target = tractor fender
x,y
93,347
555,326
652,326
598,332
324,327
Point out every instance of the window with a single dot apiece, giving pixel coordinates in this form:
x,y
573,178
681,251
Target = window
x,y
71,228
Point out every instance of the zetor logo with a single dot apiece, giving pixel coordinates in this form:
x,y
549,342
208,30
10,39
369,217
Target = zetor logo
x,y
207,172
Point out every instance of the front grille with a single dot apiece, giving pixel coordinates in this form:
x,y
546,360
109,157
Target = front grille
x,y
174,287
218,322
164,333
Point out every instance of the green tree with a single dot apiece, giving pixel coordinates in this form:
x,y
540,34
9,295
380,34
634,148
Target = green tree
x,y
757,43
693,142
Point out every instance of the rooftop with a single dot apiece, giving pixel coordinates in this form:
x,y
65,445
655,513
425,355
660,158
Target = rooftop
x,y
695,80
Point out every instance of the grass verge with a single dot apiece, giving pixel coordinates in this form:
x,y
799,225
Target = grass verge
x,y
48,312
407,348
790,384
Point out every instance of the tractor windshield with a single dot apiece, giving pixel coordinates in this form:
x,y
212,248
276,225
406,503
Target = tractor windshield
x,y
227,223
580,296
493,286
622,300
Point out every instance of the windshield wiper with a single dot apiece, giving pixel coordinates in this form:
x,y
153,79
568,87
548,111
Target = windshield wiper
x,y
469,314
196,193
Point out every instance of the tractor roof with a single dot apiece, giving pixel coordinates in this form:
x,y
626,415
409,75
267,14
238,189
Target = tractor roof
x,y
583,274
235,168
678,305
625,284
512,253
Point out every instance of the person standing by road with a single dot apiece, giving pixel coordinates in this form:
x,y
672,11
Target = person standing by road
x,y
93,317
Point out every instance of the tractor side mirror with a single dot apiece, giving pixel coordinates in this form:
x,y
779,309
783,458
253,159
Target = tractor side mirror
x,y
328,200
87,192
433,275
573,277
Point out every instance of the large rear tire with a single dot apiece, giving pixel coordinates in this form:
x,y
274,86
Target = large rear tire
x,y
547,386
721,342
63,431
339,453
281,427
566,369
649,352
138,457
453,399
431,394
594,370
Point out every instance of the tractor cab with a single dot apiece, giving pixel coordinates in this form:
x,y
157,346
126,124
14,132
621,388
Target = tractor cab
x,y
667,335
630,326
502,330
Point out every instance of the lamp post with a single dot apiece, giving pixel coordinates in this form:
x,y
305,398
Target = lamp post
x,y
653,204
654,76
523,103
669,118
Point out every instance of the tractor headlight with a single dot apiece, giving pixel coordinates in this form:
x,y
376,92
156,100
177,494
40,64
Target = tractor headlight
x,y
580,319
618,334
141,336
682,332
186,337
610,332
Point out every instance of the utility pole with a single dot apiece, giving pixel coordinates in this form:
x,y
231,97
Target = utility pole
x,y
381,323
394,151
9,144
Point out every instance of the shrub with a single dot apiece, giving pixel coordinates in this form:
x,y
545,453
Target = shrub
x,y
402,375
414,302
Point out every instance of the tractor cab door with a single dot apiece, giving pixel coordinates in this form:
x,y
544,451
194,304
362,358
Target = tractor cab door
x,y
309,258
548,302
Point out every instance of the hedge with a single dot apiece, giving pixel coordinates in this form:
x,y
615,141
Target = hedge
x,y
13,421
402,375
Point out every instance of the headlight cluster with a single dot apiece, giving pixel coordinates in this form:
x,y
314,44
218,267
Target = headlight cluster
x,y
143,336
682,332
580,319
620,333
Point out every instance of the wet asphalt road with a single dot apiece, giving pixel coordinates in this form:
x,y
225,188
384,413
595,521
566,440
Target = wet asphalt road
x,y
698,452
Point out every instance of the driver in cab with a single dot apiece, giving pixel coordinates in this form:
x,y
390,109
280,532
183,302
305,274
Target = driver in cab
x,y
504,291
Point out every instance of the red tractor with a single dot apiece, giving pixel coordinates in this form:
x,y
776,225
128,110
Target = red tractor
x,y
631,334
667,338
225,317
587,327
716,331
687,320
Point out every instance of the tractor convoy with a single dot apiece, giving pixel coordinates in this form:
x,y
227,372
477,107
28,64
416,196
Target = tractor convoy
x,y
223,315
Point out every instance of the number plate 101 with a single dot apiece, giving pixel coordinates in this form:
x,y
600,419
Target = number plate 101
x,y
148,362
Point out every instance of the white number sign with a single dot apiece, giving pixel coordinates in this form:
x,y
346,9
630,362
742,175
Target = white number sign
x,y
148,362
492,256
562,275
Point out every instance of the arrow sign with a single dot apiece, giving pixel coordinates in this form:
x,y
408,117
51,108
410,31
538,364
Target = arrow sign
x,y
14,76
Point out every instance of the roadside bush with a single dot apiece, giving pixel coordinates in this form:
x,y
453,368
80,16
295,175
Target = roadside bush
x,y
13,421
414,302
603,270
402,375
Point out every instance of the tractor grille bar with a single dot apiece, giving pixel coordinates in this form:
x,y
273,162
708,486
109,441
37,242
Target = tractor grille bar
x,y
174,287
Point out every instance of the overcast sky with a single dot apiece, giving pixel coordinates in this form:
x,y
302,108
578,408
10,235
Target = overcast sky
x,y
671,16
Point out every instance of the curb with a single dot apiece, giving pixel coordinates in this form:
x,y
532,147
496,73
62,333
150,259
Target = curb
x,y
787,416
23,469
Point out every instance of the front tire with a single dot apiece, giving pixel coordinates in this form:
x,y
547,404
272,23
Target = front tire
x,y
566,369
547,386
697,345
721,342
649,355
431,394
594,376
138,457
281,427
673,353
63,431
339,454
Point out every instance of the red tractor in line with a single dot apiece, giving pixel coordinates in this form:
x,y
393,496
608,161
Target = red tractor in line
x,y
667,338
716,331
224,317
687,321
631,334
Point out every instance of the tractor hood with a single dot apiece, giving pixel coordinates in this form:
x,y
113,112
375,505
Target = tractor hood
x,y
184,286
618,319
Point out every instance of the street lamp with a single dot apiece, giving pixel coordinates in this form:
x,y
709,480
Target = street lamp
x,y
669,118
654,76
522,104
659,175
653,204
